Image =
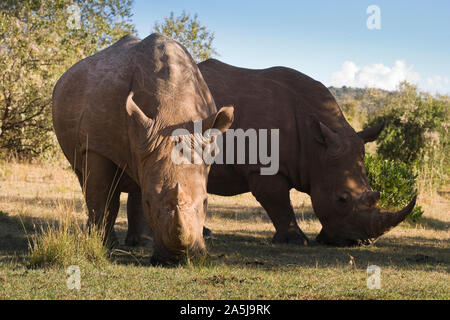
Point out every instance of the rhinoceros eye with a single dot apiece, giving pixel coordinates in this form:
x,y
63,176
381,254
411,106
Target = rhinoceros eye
x,y
343,198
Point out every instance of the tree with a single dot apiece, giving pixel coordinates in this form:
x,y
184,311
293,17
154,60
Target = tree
x,y
414,121
189,32
39,40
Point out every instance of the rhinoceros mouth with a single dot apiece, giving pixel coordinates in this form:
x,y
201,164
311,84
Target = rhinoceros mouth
x,y
366,227
165,258
325,239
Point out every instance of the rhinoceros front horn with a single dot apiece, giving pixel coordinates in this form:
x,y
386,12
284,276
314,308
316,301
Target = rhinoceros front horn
x,y
382,222
178,223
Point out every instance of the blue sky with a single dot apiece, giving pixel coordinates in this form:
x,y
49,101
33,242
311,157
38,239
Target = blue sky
x,y
327,40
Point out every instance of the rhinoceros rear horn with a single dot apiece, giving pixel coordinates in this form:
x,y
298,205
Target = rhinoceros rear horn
x,y
221,121
371,134
382,222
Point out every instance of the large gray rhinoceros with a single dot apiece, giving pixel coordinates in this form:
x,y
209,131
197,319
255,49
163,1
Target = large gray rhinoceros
x,y
319,154
114,114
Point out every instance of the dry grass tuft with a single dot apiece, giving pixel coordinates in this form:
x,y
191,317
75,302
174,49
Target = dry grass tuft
x,y
67,242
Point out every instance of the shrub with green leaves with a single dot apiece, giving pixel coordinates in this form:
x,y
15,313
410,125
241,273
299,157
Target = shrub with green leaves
x,y
396,183
415,123
188,31
39,41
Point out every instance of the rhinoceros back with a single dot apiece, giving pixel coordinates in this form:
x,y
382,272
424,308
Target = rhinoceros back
x,y
89,100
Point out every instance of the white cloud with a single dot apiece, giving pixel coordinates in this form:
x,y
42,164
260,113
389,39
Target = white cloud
x,y
380,76
347,75
437,84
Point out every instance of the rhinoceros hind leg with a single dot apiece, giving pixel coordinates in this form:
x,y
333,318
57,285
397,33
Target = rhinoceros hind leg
x,y
139,232
100,185
272,192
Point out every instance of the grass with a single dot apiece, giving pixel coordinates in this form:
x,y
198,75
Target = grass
x,y
66,243
244,264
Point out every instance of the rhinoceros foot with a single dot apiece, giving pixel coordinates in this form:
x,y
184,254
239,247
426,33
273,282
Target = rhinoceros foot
x,y
137,240
111,241
291,236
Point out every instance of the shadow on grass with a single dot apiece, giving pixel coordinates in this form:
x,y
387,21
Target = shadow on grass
x,y
257,250
244,249
408,252
16,233
434,224
251,214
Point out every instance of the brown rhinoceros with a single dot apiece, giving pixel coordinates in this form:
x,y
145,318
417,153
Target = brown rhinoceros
x,y
114,114
319,154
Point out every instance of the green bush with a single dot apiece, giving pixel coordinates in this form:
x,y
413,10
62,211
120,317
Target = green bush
x,y
414,123
188,31
38,42
396,183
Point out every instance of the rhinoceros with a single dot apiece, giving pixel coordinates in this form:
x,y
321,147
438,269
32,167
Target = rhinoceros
x,y
114,114
319,154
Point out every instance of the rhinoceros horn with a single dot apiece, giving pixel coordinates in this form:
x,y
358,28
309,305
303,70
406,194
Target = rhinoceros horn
x,y
381,222
178,223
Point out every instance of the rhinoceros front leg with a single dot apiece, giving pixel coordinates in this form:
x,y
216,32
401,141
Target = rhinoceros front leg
x,y
272,192
100,185
139,232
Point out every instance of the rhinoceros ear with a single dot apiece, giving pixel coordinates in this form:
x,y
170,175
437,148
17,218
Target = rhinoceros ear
x,y
322,134
136,113
221,121
330,138
139,123
372,133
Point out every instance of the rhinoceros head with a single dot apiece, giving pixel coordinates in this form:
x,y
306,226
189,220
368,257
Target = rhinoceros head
x,y
341,195
174,197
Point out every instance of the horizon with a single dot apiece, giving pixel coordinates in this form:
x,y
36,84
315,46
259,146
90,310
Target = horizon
x,y
330,42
